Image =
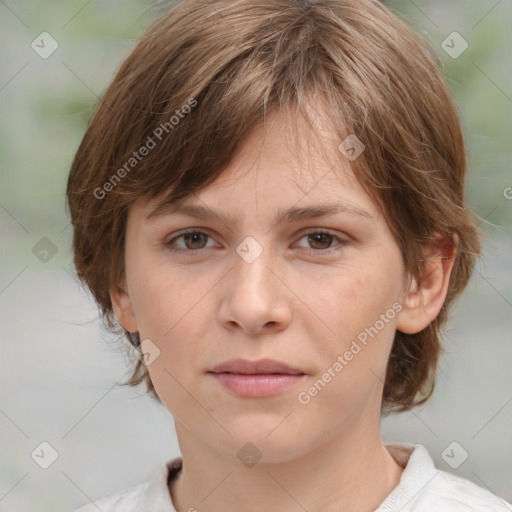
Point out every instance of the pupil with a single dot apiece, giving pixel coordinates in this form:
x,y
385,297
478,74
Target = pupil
x,y
319,237
193,236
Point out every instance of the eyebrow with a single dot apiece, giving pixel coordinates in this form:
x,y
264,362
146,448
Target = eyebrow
x,y
290,215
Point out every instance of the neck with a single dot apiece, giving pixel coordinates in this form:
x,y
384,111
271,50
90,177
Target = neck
x,y
351,473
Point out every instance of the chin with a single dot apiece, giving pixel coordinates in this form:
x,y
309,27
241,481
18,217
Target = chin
x,y
259,442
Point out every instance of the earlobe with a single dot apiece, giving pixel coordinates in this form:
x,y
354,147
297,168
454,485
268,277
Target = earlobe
x,y
123,309
426,296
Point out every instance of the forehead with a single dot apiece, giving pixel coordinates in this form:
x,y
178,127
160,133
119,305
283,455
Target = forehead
x,y
286,147
284,162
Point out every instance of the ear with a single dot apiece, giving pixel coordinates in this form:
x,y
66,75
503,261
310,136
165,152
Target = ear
x,y
425,297
122,306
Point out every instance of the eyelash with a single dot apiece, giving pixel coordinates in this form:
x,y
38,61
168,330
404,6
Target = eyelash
x,y
315,252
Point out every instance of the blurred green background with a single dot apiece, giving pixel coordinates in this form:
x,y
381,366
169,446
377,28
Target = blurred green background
x,y
57,364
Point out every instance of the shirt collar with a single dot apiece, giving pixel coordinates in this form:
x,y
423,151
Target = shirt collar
x,y
419,471
156,496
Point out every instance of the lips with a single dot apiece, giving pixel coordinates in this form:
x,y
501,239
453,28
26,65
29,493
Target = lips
x,y
260,367
256,379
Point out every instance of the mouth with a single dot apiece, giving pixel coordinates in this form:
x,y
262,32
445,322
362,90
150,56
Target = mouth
x,y
260,367
253,379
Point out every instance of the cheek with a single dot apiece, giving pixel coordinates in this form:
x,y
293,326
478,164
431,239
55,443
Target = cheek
x,y
169,313
359,305
160,295
171,310
353,297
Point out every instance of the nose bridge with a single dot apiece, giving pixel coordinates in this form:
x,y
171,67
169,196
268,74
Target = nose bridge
x,y
253,297
253,257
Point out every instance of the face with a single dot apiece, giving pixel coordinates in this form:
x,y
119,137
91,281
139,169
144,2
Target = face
x,y
321,294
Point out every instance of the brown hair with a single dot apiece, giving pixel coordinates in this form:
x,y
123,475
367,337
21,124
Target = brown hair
x,y
208,70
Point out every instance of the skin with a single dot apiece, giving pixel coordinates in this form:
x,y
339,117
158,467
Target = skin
x,y
302,301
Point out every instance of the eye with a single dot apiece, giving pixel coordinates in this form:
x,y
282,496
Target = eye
x,y
320,240
192,240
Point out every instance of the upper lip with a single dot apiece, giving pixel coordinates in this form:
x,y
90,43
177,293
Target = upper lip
x,y
261,366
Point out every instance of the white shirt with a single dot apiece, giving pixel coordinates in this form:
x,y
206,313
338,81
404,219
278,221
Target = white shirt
x,y
422,488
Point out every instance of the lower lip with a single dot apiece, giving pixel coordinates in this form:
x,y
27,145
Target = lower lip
x,y
257,385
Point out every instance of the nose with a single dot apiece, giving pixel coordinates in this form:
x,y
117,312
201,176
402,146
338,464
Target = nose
x,y
254,296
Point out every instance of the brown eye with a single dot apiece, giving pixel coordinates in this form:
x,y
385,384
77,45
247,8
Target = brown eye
x,y
194,240
320,240
191,241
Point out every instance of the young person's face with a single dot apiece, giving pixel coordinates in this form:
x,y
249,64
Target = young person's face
x,y
308,301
